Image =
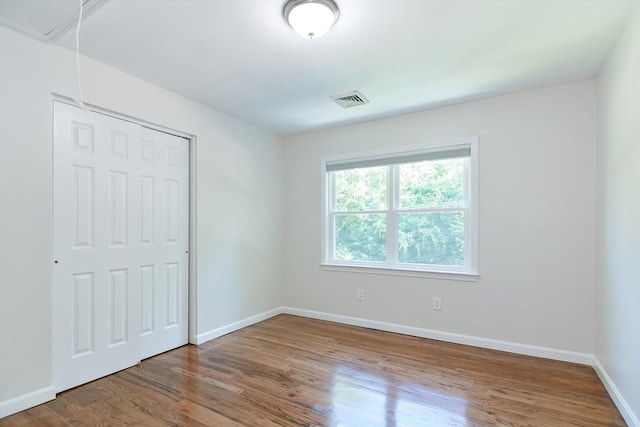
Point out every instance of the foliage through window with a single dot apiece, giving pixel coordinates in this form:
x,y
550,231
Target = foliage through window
x,y
410,210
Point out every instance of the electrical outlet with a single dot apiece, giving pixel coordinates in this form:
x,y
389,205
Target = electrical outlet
x,y
437,303
360,294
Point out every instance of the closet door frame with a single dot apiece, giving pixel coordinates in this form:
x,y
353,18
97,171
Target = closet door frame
x,y
191,140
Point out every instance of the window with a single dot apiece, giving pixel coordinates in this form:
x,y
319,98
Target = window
x,y
406,210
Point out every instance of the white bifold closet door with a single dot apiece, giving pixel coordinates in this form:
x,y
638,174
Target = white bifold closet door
x,y
121,227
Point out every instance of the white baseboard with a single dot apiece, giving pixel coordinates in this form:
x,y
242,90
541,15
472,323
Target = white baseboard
x,y
34,398
624,408
26,401
530,350
37,397
224,330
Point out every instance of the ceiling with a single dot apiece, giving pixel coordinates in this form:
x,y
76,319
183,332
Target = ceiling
x,y
240,57
45,20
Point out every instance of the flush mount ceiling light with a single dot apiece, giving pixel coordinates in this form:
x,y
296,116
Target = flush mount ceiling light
x,y
311,18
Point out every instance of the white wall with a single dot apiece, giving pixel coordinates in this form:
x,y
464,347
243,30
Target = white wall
x,y
617,336
239,187
537,198
536,213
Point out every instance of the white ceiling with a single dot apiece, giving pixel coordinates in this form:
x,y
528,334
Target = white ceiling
x,y
239,56
45,20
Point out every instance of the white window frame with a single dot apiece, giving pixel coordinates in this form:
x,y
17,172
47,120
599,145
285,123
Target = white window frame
x,y
467,272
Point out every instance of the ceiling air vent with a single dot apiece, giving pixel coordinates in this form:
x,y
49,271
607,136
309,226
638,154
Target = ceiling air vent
x,y
351,99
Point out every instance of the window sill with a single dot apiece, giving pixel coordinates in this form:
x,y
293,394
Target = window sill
x,y
394,271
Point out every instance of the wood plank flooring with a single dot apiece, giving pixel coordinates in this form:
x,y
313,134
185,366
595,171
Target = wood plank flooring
x,y
293,371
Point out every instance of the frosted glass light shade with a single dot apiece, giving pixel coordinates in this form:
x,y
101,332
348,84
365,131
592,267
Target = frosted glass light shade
x,y
311,18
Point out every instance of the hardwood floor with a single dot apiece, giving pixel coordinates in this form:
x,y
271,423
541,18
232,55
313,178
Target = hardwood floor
x,y
293,371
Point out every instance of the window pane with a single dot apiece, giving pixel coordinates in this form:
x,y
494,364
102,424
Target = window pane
x,y
361,237
431,184
431,238
361,189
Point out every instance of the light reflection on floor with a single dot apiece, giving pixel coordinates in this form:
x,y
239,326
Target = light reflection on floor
x,y
361,399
